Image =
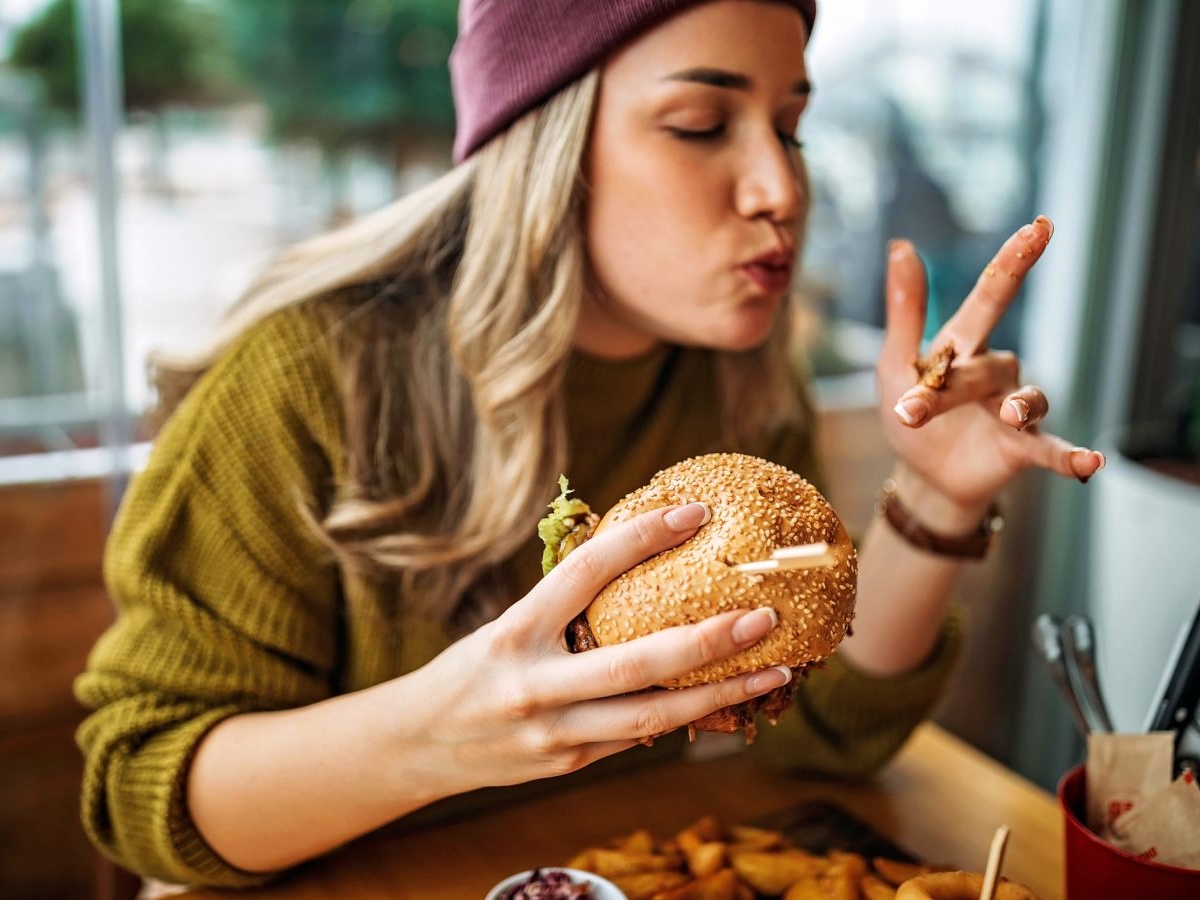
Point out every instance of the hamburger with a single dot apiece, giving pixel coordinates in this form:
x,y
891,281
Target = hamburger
x,y
757,507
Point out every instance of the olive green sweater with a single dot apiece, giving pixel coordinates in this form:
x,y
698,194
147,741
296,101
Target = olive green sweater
x,y
228,603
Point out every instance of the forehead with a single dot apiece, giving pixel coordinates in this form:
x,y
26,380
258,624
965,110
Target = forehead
x,y
763,40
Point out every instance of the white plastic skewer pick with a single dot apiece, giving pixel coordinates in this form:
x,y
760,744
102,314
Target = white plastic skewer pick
x,y
802,556
995,860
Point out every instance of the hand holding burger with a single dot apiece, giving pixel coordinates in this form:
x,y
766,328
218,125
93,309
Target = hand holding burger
x,y
757,508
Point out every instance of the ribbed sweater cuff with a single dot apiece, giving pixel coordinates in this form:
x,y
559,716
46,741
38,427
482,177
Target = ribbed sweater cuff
x,y
174,850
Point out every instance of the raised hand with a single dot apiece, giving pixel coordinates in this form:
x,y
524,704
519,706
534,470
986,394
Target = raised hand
x,y
969,438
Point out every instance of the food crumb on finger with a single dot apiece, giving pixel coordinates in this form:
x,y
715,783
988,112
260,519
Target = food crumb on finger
x,y
932,370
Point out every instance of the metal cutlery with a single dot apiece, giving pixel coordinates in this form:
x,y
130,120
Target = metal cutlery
x,y
1047,641
1079,655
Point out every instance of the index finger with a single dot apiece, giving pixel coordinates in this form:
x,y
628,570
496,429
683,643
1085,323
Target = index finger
x,y
575,581
997,287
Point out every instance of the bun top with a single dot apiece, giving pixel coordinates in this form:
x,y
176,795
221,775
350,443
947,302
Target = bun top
x,y
757,507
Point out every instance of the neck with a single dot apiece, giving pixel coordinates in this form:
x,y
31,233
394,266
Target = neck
x,y
602,332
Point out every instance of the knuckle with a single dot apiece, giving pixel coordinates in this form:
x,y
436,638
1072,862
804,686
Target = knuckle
x,y
645,529
519,701
627,672
1010,364
503,639
709,645
652,719
564,762
581,569
728,692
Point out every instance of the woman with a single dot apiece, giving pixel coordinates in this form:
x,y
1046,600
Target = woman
x,y
327,574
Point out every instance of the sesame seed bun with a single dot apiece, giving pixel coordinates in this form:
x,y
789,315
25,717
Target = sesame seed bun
x,y
757,507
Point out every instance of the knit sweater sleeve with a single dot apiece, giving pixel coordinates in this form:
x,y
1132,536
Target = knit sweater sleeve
x,y
227,600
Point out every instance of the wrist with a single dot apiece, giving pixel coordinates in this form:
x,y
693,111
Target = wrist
x,y
932,508
962,531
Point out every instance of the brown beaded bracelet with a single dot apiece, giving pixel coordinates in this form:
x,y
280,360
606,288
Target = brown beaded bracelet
x,y
968,546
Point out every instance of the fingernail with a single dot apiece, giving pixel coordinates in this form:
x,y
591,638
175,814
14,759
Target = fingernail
x,y
1103,460
685,518
768,680
1078,454
754,625
1049,225
1021,409
912,411
895,249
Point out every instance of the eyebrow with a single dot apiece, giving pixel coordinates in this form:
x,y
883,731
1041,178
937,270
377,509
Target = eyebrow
x,y
720,78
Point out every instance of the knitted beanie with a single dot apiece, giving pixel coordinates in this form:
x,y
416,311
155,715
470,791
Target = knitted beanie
x,y
511,55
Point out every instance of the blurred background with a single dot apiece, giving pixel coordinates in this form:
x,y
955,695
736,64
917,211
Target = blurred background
x,y
155,153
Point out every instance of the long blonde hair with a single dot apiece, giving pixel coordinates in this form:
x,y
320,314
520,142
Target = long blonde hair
x,y
457,312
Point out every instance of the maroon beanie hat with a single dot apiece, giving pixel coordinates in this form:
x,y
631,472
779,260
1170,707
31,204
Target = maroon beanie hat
x,y
512,54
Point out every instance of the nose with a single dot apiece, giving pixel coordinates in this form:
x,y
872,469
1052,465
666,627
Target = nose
x,y
771,184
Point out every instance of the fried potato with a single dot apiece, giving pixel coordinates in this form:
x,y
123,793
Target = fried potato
x,y
688,841
896,872
706,828
707,858
720,885
839,884
641,841
612,863
806,889
774,873
851,864
646,885
873,888
706,861
585,860
756,838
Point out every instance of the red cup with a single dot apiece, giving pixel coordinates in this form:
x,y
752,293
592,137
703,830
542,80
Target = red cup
x,y
1096,870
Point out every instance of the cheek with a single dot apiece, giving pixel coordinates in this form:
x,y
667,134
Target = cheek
x,y
650,217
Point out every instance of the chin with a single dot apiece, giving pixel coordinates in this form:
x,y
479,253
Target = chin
x,y
749,330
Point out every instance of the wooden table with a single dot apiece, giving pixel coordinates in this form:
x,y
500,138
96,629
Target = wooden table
x,y
940,799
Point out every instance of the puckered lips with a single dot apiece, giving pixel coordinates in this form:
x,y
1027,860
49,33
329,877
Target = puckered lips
x,y
771,271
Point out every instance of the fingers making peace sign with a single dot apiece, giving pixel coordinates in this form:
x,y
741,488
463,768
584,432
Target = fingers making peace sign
x,y
968,438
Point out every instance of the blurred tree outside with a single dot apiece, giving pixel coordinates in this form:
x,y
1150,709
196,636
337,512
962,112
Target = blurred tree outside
x,y
172,55
349,74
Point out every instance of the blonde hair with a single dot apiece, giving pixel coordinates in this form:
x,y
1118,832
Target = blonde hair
x,y
451,361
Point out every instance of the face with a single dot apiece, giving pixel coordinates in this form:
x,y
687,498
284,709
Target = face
x,y
695,181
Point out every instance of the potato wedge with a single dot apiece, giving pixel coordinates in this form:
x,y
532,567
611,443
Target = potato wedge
x,y
774,873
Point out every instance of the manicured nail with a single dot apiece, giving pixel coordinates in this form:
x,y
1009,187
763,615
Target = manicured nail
x,y
685,518
1080,455
912,411
768,680
754,626
1021,409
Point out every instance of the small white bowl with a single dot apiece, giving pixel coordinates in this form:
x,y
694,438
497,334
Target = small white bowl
x,y
602,888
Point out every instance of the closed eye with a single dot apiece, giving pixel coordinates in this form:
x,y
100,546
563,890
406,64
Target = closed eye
x,y
789,139
707,134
